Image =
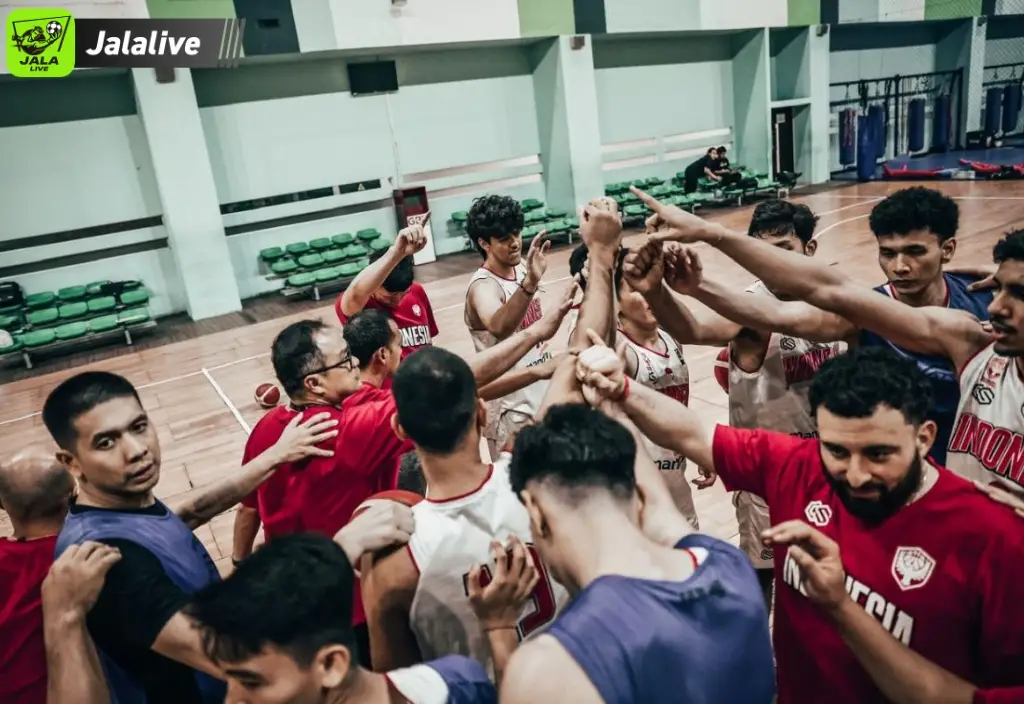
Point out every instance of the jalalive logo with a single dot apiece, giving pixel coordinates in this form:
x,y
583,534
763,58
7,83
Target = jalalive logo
x,y
40,43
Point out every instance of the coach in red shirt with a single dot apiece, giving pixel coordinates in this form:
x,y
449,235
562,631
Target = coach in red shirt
x,y
34,490
936,562
387,285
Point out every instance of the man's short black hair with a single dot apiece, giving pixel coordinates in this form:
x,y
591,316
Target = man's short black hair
x,y
410,474
296,354
722,149
576,449
577,261
493,217
294,594
77,396
1010,248
435,395
366,332
855,384
401,277
777,217
916,208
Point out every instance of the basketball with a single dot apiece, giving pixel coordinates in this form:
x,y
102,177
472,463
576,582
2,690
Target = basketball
x,y
722,369
401,496
267,395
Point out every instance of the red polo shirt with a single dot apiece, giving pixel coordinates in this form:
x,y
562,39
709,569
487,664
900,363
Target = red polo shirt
x,y
319,494
413,316
23,566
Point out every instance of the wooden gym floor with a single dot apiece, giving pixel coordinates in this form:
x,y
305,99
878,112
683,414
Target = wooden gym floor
x,y
199,392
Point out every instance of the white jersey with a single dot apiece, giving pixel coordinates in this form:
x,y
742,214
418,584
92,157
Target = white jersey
x,y
987,443
451,537
667,372
776,396
526,401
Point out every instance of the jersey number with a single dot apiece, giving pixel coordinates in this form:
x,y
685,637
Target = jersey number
x,y
543,596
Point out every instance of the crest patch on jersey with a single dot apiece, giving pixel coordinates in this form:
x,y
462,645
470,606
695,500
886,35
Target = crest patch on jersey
x,y
912,567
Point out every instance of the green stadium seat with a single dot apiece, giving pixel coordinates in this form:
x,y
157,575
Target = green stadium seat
x,y
284,266
363,263
45,316
558,226
460,216
13,347
348,269
135,298
104,323
301,280
70,311
343,240
537,215
615,188
367,235
271,254
381,244
355,251
635,210
130,285
328,274
95,288
71,331
661,191
573,222
38,338
530,204
311,261
297,248
321,243
133,316
10,322
653,181
556,213
102,304
71,293
334,256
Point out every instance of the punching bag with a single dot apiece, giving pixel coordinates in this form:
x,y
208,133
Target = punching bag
x,y
867,148
940,123
915,125
1011,107
848,137
877,115
993,110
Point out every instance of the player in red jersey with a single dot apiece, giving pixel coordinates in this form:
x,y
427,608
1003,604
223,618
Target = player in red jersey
x,y
938,564
387,285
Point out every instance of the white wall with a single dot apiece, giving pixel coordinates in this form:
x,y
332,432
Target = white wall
x,y
358,23
880,63
722,14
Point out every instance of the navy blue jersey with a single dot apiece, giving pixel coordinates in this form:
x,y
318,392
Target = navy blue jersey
x,y
453,679
945,384
703,640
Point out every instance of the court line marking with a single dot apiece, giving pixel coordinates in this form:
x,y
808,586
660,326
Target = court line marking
x,y
834,225
227,401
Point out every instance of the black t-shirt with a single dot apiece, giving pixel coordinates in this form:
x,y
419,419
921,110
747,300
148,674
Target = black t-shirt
x,y
137,601
697,167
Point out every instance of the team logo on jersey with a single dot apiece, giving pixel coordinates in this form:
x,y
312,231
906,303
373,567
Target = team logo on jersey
x,y
911,568
993,371
818,513
983,394
767,554
787,343
416,310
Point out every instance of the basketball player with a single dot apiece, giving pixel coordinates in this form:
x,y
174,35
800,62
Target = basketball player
x,y
909,529
387,285
653,358
501,298
988,431
417,599
769,373
915,229
641,610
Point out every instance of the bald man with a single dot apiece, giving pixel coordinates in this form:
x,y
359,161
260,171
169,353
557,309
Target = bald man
x,y
34,490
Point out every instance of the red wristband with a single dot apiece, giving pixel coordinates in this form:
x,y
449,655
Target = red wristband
x,y
625,390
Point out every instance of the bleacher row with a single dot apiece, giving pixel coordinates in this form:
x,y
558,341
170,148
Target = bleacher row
x,y
73,316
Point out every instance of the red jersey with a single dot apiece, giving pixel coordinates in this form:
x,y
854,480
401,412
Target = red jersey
x,y
944,575
23,566
319,494
413,316
1008,695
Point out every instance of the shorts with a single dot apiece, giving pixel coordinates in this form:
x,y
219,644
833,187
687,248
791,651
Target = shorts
x,y
752,517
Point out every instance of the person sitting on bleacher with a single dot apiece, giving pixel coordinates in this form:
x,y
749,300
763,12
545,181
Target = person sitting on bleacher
x,y
703,167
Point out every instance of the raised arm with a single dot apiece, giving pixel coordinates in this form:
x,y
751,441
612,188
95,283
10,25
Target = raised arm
x,y
938,331
389,585
297,441
409,241
501,316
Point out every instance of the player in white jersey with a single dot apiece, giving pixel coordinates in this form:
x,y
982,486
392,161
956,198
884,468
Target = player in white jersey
x,y
655,360
417,599
987,435
502,298
769,373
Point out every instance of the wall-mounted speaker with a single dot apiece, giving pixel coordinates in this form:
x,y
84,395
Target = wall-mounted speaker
x,y
164,74
577,42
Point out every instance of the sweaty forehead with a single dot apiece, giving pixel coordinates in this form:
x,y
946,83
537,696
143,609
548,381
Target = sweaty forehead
x,y
886,426
914,238
109,416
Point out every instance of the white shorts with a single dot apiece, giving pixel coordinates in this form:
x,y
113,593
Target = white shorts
x,y
752,517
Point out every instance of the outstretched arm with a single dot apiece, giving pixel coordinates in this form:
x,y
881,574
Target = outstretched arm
x,y
938,331
410,240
